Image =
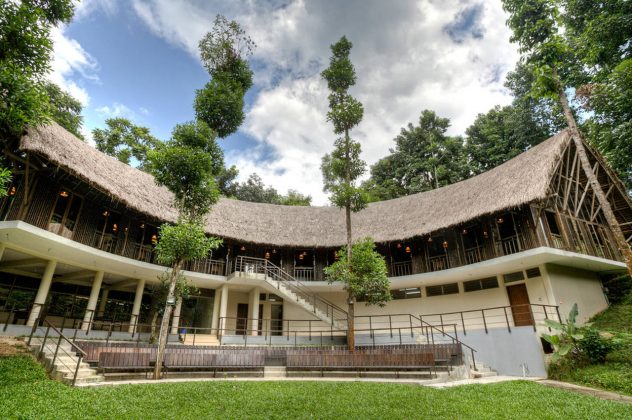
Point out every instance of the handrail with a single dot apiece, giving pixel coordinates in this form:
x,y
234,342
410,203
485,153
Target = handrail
x,y
78,351
278,274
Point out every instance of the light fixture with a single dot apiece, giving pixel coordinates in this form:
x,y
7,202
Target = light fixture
x,y
301,256
12,191
485,234
429,239
464,231
399,245
114,227
154,239
445,244
500,220
407,249
142,226
171,300
274,251
267,255
64,194
243,248
105,213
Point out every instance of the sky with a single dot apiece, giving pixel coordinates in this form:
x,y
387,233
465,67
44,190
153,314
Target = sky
x,y
139,59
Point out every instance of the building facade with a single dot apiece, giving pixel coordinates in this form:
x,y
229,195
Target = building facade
x,y
502,250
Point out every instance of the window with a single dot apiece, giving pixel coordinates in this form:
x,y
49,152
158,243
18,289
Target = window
x,y
442,289
552,222
480,284
65,213
533,272
511,277
407,293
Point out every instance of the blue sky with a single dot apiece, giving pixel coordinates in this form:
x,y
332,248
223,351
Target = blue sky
x,y
138,59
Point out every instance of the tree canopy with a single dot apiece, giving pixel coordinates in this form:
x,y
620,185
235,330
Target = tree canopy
x,y
125,141
254,190
64,109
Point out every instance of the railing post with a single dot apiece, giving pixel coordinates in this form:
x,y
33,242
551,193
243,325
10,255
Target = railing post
x,y
52,363
390,325
557,309
371,333
33,331
473,359
484,322
74,377
441,320
463,324
507,318
410,322
44,342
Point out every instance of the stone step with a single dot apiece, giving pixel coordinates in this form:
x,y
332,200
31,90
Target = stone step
x,y
274,372
86,380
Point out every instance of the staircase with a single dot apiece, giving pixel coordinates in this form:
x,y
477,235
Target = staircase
x,y
290,289
201,339
61,361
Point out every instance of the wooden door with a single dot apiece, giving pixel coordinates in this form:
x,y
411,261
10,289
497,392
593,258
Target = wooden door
x,y
520,305
242,319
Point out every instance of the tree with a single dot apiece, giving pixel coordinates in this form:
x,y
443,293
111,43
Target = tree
x,y
184,290
295,198
254,190
25,51
342,167
424,158
64,109
551,59
365,276
224,51
501,134
185,166
124,140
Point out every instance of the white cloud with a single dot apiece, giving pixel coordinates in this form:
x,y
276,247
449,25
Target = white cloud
x,y
71,66
115,111
405,62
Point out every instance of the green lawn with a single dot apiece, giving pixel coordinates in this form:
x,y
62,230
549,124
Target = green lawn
x,y
25,392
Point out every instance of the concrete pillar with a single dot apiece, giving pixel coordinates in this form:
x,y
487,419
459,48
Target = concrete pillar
x,y
175,322
42,292
223,308
138,297
92,300
215,318
2,248
253,309
104,300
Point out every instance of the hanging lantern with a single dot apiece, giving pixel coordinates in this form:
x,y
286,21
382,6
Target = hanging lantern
x,y
407,249
274,251
114,227
64,194
154,239
399,246
267,256
142,226
485,234
243,248
105,213
500,220
12,191
464,231
429,239
445,244
301,256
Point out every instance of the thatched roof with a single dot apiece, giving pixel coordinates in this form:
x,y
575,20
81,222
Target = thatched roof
x,y
521,180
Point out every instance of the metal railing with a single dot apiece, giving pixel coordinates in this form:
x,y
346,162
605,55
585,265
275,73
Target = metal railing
x,y
206,266
321,307
304,273
496,317
438,263
61,338
510,245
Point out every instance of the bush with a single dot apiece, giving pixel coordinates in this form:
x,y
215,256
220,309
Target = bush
x,y
618,288
595,347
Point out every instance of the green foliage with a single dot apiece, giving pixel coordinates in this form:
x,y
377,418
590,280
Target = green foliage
x,y
424,158
595,347
25,52
42,398
568,338
5,178
184,290
124,140
183,242
295,198
224,51
617,318
65,109
364,276
254,190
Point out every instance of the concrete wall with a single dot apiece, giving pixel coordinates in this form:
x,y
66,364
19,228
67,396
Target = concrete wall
x,y
571,285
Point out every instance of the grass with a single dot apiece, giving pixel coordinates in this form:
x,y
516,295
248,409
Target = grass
x,y
616,374
26,392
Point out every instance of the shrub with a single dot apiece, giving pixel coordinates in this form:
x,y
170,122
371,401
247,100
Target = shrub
x,y
595,347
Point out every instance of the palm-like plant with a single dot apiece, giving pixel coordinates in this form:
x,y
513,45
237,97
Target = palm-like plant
x,y
569,335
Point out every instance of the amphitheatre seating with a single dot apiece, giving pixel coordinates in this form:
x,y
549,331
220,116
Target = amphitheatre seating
x,y
135,362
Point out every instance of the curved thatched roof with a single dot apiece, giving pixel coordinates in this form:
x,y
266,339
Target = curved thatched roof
x,y
521,180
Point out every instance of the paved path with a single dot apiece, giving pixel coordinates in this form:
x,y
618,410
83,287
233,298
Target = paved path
x,y
606,395
487,380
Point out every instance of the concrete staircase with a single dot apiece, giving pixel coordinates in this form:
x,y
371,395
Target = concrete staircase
x,y
201,340
274,372
64,365
483,371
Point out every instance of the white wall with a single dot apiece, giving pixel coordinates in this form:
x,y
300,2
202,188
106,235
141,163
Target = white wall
x,y
571,285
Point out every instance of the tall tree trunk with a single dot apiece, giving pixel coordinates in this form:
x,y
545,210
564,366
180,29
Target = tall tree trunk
x,y
154,318
578,140
166,317
351,298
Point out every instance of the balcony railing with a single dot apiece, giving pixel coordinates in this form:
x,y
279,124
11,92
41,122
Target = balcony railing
x,y
206,266
404,268
510,245
438,263
304,273
474,255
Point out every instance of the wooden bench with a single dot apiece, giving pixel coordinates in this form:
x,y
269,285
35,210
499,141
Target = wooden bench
x,y
125,362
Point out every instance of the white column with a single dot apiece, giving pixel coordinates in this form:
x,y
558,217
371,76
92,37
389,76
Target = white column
x,y
42,292
138,298
92,300
215,318
254,311
2,248
104,300
223,308
175,322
